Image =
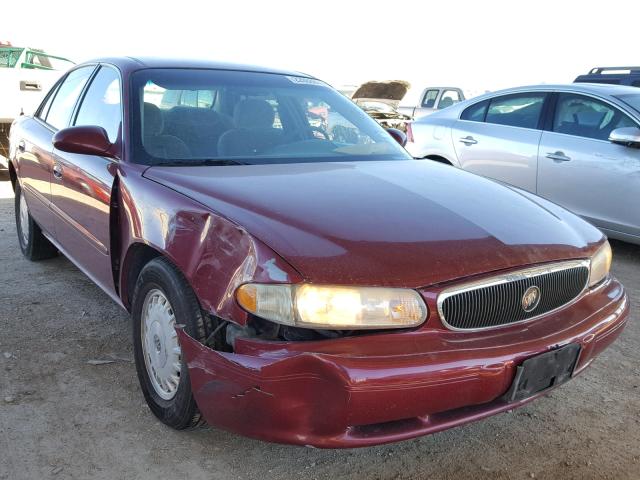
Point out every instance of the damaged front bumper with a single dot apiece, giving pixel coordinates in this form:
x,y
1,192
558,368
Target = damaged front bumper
x,y
380,388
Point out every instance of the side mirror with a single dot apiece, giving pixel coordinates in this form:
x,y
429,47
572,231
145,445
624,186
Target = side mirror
x,y
627,136
398,135
86,140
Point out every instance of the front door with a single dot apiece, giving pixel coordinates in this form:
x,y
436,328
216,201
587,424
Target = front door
x,y
582,171
81,185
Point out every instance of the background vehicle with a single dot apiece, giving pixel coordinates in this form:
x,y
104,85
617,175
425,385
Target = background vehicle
x,y
431,99
576,145
380,99
405,99
629,76
385,114
254,250
25,75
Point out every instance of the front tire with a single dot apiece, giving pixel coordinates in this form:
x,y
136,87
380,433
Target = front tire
x,y
162,298
33,244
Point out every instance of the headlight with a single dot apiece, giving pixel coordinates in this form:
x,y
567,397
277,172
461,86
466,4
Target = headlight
x,y
600,264
321,307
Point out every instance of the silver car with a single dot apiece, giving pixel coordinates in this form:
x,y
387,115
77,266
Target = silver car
x,y
577,145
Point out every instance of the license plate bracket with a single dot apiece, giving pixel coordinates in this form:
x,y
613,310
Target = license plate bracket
x,y
542,372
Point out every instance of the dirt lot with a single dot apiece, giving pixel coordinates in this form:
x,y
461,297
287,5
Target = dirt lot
x,y
62,417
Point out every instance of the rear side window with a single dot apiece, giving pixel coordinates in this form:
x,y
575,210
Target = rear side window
x,y
430,97
44,109
635,83
101,104
65,99
519,110
167,99
476,112
587,117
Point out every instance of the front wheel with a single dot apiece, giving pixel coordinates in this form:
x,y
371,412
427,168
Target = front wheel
x,y
162,299
33,244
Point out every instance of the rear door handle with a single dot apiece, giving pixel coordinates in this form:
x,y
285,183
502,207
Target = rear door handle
x,y
558,156
57,170
22,146
468,140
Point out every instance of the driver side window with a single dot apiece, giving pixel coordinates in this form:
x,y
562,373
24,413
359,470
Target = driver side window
x,y
101,103
65,98
583,116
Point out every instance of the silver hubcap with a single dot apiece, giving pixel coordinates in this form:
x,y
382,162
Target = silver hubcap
x,y
162,354
24,220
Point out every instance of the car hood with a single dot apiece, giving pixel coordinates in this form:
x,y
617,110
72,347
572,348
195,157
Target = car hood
x,y
403,223
389,92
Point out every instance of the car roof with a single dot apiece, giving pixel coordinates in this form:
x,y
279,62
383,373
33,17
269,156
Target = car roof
x,y
593,88
597,89
131,64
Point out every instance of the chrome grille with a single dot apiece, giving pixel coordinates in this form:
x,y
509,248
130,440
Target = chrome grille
x,y
499,300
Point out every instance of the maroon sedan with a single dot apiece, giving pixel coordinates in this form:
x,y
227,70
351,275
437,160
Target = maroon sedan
x,y
296,285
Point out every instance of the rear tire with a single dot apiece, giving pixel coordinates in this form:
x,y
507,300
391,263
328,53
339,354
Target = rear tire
x,y
33,244
162,298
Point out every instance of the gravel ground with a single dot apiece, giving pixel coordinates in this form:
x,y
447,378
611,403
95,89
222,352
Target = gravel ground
x,y
63,417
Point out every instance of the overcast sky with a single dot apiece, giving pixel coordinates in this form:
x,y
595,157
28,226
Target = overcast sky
x,y
477,45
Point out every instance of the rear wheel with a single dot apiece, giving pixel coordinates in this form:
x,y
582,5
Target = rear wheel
x,y
162,299
33,244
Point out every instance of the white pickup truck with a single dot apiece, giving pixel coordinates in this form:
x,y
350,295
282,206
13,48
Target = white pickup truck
x,y
26,74
429,100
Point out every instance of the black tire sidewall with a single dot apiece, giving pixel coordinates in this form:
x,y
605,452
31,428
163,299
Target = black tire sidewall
x,y
26,249
37,247
178,412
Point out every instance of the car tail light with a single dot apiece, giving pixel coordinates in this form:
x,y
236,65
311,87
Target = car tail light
x,y
409,132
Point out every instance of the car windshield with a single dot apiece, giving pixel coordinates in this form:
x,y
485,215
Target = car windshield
x,y
220,117
631,99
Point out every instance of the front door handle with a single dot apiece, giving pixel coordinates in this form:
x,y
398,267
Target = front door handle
x,y
558,156
468,140
57,170
22,146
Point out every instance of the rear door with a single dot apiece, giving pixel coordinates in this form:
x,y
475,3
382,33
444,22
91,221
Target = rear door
x,y
499,137
81,184
34,148
581,170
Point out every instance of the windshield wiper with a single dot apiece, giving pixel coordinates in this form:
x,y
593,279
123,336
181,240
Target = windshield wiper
x,y
210,162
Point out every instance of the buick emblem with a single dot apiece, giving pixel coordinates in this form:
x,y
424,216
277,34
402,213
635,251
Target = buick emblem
x,y
531,299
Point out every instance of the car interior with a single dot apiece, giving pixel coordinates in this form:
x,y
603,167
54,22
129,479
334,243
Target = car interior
x,y
247,127
232,122
519,112
586,118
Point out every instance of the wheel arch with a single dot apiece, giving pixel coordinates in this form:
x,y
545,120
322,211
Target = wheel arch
x,y
213,253
138,255
13,176
439,159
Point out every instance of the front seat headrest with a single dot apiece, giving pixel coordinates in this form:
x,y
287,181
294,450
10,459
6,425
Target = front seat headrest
x,y
152,122
254,113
